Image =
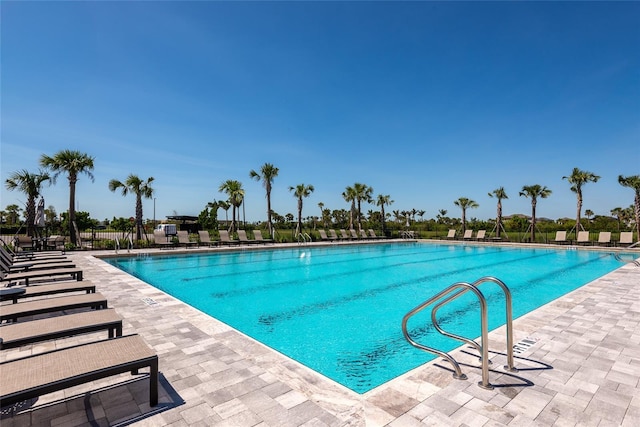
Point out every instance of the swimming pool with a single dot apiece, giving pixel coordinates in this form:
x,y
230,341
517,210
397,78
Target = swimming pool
x,y
338,309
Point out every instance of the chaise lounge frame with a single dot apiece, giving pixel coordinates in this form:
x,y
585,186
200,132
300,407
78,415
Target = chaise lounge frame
x,y
54,372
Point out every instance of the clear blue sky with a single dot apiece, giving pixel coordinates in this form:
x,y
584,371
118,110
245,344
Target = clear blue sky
x,y
424,101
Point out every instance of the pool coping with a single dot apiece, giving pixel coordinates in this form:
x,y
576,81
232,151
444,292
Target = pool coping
x,y
263,387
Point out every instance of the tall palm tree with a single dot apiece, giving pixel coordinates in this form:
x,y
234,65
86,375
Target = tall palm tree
x,y
533,192
267,174
617,212
382,200
300,191
73,163
133,184
362,193
349,195
577,179
464,204
234,190
30,184
633,182
499,194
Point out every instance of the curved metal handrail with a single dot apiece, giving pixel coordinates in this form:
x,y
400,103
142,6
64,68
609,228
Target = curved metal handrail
x,y
508,313
484,327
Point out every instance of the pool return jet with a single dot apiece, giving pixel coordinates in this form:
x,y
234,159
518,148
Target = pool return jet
x,y
451,293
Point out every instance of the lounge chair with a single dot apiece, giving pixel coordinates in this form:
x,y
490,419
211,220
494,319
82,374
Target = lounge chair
x,y
205,238
583,238
257,234
54,243
49,289
604,238
373,234
183,239
324,237
242,237
333,235
468,235
26,276
44,373
19,334
23,243
162,240
354,234
344,235
481,235
363,235
626,238
561,237
15,267
51,305
12,257
452,234
225,239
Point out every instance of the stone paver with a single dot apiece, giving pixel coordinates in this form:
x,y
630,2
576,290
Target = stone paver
x,y
584,369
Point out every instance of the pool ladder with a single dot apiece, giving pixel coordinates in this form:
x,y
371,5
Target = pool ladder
x,y
451,293
303,238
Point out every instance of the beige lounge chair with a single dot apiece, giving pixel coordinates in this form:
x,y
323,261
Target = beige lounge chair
x,y
242,237
257,234
583,238
48,289
333,235
19,334
468,235
162,240
481,235
225,239
363,234
344,235
604,238
561,237
205,238
626,238
323,236
44,373
451,234
354,234
373,234
183,239
51,305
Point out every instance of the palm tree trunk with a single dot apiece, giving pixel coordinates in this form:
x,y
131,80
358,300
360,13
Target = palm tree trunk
x,y
464,220
499,219
579,209
637,203
269,224
72,209
533,222
138,217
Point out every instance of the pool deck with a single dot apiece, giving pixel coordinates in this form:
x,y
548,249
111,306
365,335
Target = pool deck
x,y
579,366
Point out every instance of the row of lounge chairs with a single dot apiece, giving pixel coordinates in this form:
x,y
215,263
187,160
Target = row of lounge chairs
x,y
204,239
34,309
604,238
468,235
352,235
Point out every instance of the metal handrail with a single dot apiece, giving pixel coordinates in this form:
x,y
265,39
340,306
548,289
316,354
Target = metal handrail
x,y
619,258
508,313
304,237
484,331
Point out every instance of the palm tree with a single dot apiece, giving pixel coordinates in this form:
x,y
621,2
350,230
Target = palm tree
x,y
29,184
464,204
321,206
133,184
235,192
73,163
617,212
577,179
349,195
633,182
300,191
363,193
382,200
588,213
499,194
533,192
267,174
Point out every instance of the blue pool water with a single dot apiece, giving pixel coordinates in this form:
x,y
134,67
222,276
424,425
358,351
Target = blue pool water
x,y
338,310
